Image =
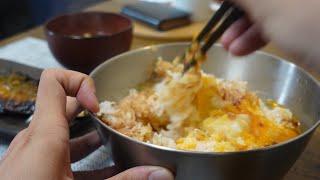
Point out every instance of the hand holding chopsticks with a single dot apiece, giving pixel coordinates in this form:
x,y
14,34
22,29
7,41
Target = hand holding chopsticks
x,y
226,15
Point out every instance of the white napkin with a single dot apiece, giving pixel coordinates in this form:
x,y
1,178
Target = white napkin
x,y
30,51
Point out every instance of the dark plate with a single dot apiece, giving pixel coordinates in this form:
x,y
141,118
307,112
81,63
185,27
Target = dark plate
x,y
11,124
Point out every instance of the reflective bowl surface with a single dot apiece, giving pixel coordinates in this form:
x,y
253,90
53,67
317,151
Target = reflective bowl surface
x,y
269,76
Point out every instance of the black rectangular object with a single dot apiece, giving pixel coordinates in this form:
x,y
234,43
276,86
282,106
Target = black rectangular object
x,y
156,15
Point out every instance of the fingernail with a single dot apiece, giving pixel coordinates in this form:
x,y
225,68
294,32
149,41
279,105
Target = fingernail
x,y
234,48
160,174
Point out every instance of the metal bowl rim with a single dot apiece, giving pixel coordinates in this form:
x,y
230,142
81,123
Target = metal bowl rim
x,y
163,148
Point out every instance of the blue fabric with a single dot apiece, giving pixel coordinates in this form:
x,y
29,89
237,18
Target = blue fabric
x,y
41,10
99,159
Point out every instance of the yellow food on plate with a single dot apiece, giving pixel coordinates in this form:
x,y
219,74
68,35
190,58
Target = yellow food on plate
x,y
17,93
198,112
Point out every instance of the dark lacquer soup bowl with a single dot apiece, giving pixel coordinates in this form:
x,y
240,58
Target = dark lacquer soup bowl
x,y
81,41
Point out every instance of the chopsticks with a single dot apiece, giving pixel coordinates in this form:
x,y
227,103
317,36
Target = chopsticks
x,y
225,6
226,15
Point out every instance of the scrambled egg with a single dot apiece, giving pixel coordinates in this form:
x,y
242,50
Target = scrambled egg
x,y
199,112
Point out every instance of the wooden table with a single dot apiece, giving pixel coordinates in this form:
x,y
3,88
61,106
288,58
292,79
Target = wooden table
x,y
308,165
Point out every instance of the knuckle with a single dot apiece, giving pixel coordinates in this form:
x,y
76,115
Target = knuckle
x,y
51,72
47,73
53,137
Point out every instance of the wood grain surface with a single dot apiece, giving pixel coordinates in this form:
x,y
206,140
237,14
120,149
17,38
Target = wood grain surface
x,y
308,165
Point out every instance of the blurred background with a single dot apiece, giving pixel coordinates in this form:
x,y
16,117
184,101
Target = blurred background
x,y
20,15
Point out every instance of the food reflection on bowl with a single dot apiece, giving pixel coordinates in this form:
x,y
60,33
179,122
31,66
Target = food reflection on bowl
x,y
81,41
269,76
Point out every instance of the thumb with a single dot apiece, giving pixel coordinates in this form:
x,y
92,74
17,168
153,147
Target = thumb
x,y
144,173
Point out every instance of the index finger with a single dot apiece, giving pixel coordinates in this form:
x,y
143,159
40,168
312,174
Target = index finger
x,y
54,87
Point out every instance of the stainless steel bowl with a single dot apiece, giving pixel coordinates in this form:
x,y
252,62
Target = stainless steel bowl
x,y
270,76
